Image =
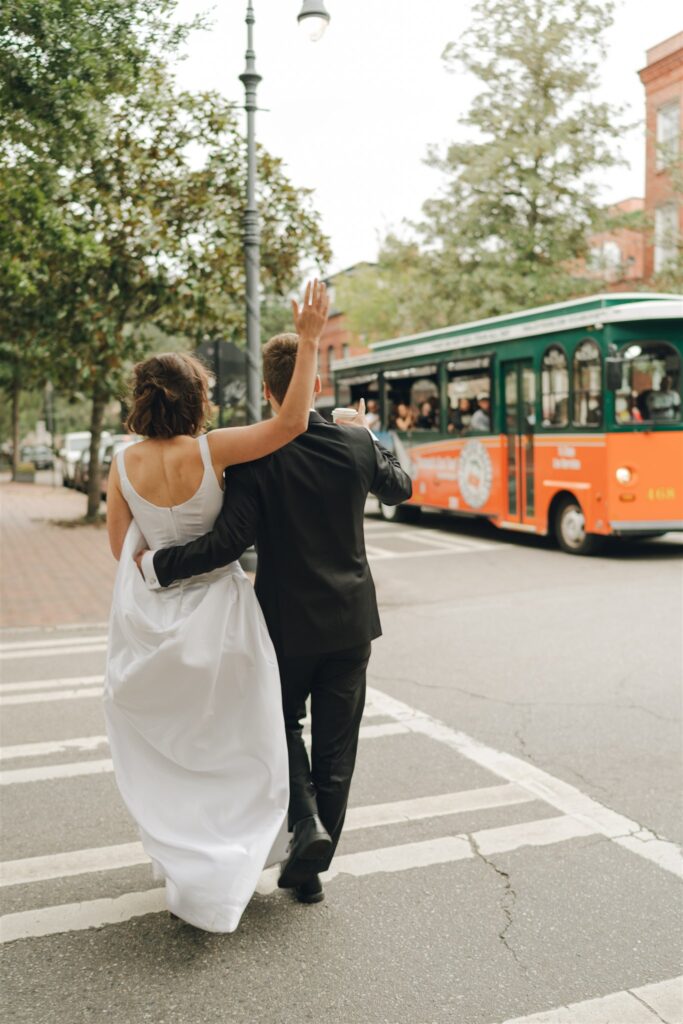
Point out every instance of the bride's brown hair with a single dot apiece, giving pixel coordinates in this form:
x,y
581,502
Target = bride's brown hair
x,y
170,396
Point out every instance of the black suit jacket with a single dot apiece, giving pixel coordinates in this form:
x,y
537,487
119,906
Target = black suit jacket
x,y
303,508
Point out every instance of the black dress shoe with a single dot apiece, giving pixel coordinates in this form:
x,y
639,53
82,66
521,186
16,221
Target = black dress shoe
x,y
310,842
310,891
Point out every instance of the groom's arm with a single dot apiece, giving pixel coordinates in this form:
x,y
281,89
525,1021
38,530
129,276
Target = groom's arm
x,y
391,484
233,532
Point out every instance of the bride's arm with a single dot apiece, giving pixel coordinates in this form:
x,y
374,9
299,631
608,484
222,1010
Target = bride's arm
x,y
234,445
119,515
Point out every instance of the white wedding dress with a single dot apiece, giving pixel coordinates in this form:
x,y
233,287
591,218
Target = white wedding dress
x,y
194,716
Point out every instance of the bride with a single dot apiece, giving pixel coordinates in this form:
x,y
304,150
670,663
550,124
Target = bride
x,y
192,693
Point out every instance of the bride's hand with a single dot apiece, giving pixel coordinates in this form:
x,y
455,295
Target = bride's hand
x,y
137,558
310,319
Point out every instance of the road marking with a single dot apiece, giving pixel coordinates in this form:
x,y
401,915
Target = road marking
x,y
435,806
372,551
111,858
49,684
44,749
564,797
445,539
47,772
444,550
661,1001
52,652
53,645
405,857
16,776
43,698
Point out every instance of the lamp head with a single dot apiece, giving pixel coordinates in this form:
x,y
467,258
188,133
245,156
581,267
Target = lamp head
x,y
313,19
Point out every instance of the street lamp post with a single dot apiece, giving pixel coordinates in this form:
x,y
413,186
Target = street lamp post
x,y
250,78
314,19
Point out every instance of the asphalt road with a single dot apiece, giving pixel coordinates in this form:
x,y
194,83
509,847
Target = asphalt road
x,y
511,848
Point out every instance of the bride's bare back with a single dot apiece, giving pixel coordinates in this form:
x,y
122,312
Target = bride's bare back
x,y
167,472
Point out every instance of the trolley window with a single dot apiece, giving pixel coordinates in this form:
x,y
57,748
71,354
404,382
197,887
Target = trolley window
x,y
350,390
650,384
412,398
587,372
555,387
469,395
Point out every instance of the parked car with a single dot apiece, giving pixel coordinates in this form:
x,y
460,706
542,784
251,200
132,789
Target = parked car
x,y
70,452
117,443
82,467
39,454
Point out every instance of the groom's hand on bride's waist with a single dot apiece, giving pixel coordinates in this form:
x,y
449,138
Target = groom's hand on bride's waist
x,y
144,559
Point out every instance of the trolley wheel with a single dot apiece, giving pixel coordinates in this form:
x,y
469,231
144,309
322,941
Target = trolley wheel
x,y
399,513
570,529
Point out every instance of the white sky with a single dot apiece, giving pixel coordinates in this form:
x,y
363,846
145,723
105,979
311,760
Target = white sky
x,y
353,114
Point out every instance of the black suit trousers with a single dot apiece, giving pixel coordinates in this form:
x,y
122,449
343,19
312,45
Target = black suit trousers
x,y
335,682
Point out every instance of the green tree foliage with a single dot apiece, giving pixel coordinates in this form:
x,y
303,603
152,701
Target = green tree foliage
x,y
60,59
520,194
391,297
124,200
521,198
154,223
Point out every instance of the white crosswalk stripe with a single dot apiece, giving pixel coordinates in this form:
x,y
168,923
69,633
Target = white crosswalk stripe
x,y
80,693
49,684
561,813
404,857
73,769
658,1003
110,858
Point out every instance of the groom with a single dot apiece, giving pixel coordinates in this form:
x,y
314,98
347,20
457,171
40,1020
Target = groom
x,y
303,507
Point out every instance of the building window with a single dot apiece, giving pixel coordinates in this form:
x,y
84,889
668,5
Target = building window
x,y
330,361
346,350
668,134
666,235
606,259
555,388
587,385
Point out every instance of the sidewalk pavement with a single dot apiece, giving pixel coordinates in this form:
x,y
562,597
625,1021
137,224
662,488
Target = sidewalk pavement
x,y
50,574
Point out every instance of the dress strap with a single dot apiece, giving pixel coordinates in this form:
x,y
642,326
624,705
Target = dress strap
x,y
205,451
127,488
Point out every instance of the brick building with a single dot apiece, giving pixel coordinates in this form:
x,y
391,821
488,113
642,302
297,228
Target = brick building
x,y
618,257
662,77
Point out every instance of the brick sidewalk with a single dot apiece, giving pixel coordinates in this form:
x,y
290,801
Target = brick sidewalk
x,y
51,575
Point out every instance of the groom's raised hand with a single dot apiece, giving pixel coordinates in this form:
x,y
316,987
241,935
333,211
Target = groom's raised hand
x,y
311,317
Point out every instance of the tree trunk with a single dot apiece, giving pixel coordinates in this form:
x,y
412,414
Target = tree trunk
x,y
16,395
99,401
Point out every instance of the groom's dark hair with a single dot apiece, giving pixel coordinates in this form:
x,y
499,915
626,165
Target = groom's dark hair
x,y
279,357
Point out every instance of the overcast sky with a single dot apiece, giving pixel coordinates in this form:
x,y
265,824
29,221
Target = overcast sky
x,y
352,115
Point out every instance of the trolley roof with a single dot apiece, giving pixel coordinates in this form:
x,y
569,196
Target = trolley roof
x,y
593,311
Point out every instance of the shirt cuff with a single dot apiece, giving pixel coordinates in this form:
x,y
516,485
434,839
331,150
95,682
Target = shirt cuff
x,y
371,433
148,571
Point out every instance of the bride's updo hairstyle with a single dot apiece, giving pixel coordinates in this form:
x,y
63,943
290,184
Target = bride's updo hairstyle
x,y
170,396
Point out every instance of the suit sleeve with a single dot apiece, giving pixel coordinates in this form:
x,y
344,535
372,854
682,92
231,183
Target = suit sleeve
x,y
233,532
391,484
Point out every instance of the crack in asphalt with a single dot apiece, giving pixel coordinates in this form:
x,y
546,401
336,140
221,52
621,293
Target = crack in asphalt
x,y
507,901
528,703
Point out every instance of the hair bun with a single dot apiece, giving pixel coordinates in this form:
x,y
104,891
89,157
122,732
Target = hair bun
x,y
150,387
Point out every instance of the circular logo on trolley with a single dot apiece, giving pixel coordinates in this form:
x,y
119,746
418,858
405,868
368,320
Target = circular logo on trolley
x,y
475,474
